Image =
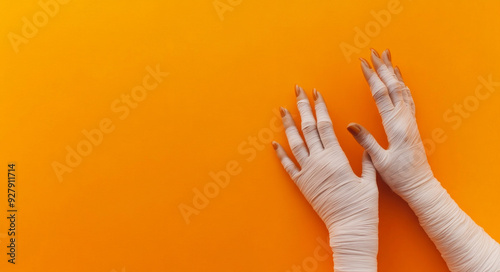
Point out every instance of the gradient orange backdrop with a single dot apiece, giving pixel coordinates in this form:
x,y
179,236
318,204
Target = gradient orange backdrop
x,y
230,65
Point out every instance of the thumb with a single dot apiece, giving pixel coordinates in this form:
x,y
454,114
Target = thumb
x,y
366,140
369,172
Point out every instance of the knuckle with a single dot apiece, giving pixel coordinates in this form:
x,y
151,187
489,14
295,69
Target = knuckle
x,y
324,125
380,93
308,126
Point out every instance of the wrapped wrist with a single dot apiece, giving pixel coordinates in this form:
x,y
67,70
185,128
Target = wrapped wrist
x,y
355,249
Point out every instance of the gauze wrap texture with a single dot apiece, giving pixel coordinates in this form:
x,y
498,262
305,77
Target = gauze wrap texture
x,y
463,244
346,203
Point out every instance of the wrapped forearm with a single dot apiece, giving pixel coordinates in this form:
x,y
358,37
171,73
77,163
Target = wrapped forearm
x,y
355,248
464,245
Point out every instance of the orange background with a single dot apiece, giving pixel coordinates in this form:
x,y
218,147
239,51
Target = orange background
x,y
118,210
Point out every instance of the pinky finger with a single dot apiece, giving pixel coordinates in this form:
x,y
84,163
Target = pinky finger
x,y
397,72
287,163
406,91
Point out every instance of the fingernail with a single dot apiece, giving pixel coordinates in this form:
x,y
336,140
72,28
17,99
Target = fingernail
x,y
282,111
353,129
275,145
397,69
315,94
389,54
363,61
376,60
297,90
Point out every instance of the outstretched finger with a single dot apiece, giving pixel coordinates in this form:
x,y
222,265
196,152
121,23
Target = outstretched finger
x,y
309,128
295,141
379,90
325,126
406,91
287,163
388,78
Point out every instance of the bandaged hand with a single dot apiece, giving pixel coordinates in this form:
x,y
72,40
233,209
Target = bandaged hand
x,y
403,165
348,204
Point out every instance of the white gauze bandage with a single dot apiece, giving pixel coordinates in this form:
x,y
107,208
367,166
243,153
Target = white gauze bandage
x,y
348,204
463,244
